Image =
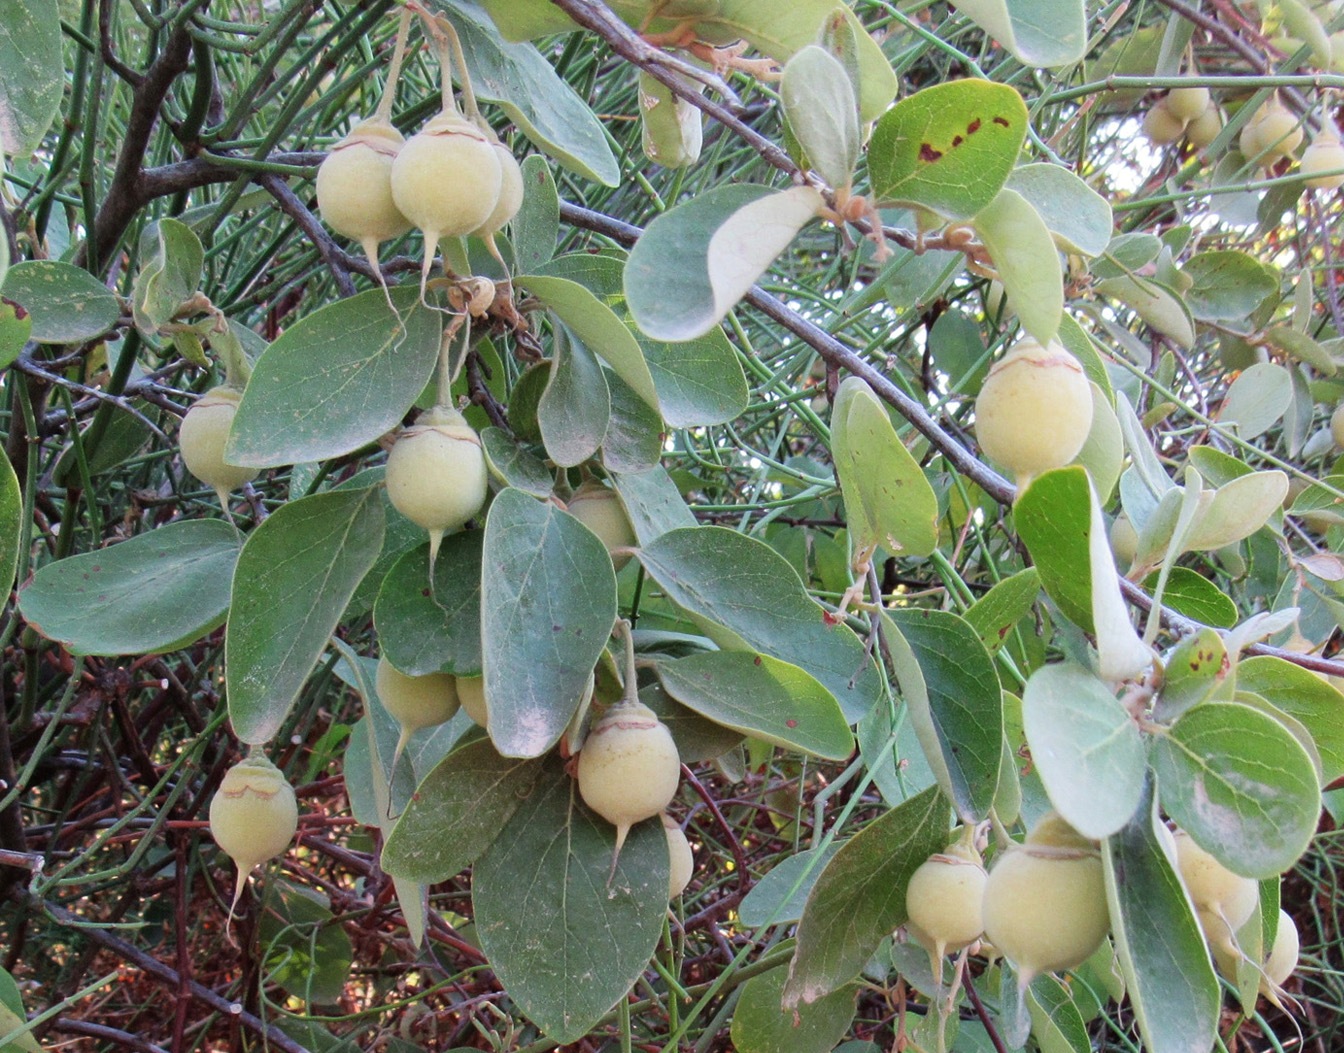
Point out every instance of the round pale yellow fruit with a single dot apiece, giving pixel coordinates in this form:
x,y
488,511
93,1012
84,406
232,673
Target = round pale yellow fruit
x,y
600,510
416,701
354,184
1185,104
446,178
471,693
204,431
945,902
629,767
1035,409
1161,126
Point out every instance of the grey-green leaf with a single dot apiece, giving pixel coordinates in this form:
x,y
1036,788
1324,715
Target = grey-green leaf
x,y
1086,747
955,701
11,524
860,897
456,813
156,592
1238,782
67,305
575,409
1168,975
548,604
745,586
294,578
168,278
1305,696
761,1025
432,627
536,228
566,942
762,697
525,85
31,73
822,112
336,380
1076,215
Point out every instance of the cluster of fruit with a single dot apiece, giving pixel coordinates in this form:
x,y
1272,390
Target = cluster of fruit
x,y
1184,113
1043,906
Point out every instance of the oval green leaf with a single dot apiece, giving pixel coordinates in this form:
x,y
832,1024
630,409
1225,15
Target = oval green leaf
x,y
1239,783
548,604
1086,748
433,627
156,592
948,148
294,578
31,73
67,305
567,941
823,115
336,380
1025,256
456,813
1076,215
745,586
762,697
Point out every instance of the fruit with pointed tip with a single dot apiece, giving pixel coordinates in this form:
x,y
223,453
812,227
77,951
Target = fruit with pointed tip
x,y
680,856
629,767
1325,154
1203,130
354,187
446,180
1223,901
416,701
1271,133
1045,901
945,900
436,474
510,193
253,816
1282,959
599,509
471,693
1337,425
1034,410
202,437
1161,126
1185,104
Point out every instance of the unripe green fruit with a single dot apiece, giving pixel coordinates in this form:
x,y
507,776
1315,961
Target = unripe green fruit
x,y
629,767
1045,900
1204,129
446,178
1325,154
416,701
1035,409
354,185
680,856
510,192
1124,540
1271,133
1161,126
436,474
1045,909
600,510
471,693
204,431
1283,955
945,901
1223,901
1337,425
1185,104
253,815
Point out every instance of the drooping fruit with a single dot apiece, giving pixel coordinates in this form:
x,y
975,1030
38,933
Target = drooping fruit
x,y
1337,425
416,701
599,509
1203,130
446,180
1271,133
1325,154
436,474
1223,901
945,900
1282,959
1185,104
1161,125
1034,410
471,693
1045,901
510,192
204,431
629,767
354,187
680,855
253,816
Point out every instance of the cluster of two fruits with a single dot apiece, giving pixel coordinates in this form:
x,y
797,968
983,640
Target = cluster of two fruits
x,y
1043,906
